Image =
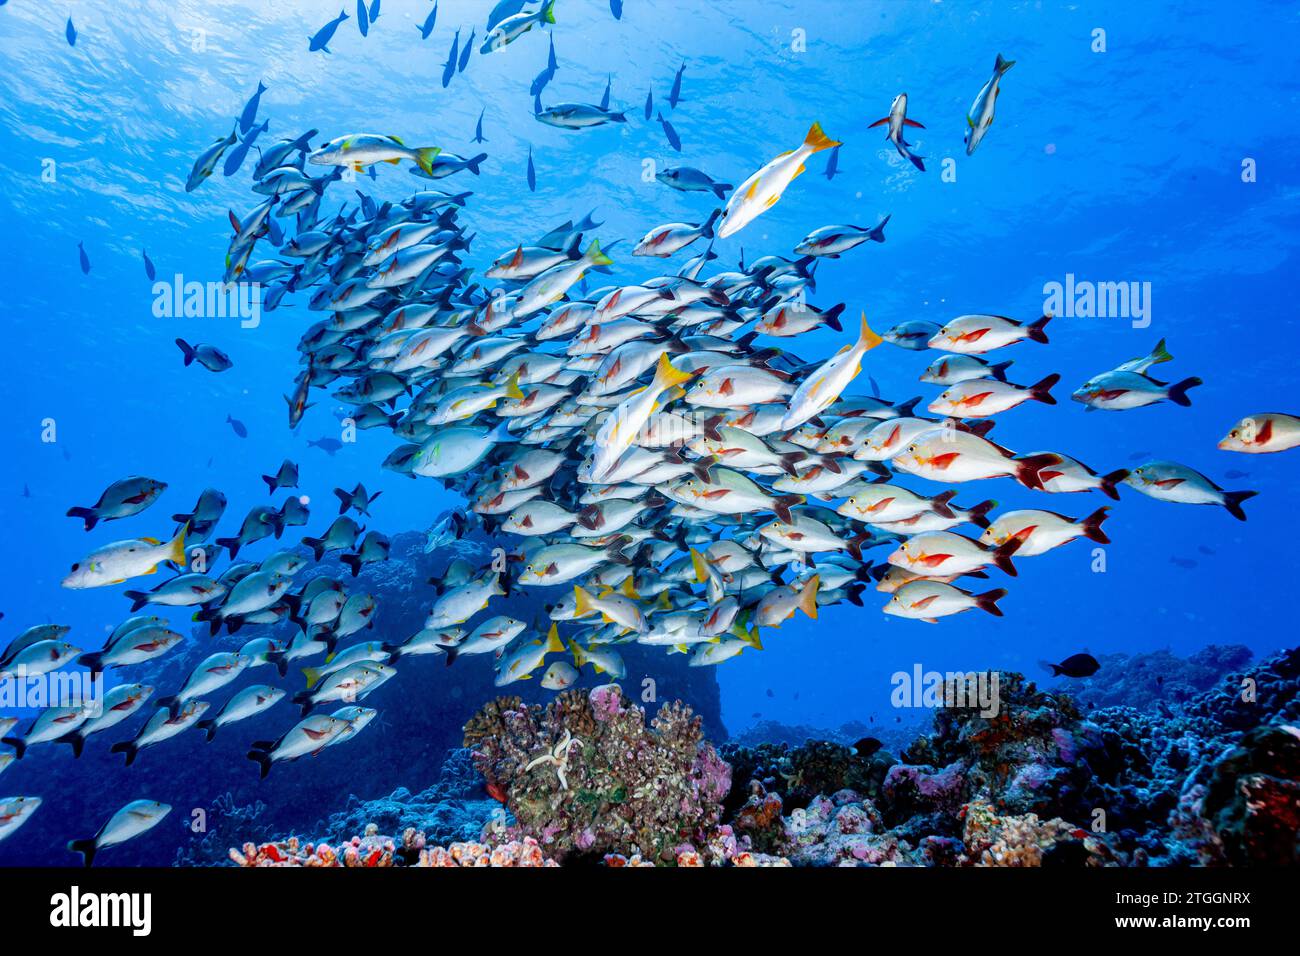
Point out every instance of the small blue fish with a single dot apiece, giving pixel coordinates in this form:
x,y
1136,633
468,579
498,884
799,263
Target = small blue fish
x,y
449,68
238,426
539,82
616,8
326,33
148,265
363,18
676,93
235,158
428,22
649,105
604,100
85,259
551,64
532,175
71,33
833,163
478,128
671,133
465,51
249,116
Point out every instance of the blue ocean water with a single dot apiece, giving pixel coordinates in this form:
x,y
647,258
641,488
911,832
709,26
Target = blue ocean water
x,y
1164,159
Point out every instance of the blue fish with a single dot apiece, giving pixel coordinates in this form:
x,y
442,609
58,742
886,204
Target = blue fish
x,y
478,128
148,265
550,56
249,116
616,8
532,173
465,51
671,133
363,18
85,259
649,105
71,33
326,33
604,100
833,163
428,22
449,68
240,429
235,158
676,93
503,9
539,83
374,11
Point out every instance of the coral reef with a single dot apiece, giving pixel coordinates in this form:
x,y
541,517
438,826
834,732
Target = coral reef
x,y
586,776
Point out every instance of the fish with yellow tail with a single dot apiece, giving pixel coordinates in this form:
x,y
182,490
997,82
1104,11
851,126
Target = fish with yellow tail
x,y
616,607
779,604
606,660
114,563
980,116
759,192
821,389
520,663
361,150
626,421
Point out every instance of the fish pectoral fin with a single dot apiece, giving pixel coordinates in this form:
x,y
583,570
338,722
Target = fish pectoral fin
x,y
393,162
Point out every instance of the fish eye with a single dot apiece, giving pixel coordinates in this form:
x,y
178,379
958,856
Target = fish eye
x,y
75,566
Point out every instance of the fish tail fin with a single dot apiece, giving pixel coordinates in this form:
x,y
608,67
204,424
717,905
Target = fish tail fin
x,y
270,483
596,257
939,504
127,747
553,642
817,140
582,602
85,514
94,661
1178,393
512,387
19,745
1232,501
628,589
173,704
867,339
474,162
186,349
831,316
1000,370
176,547
701,566
978,515
353,561
1109,483
86,848
1027,469
1001,65
424,157
1042,391
263,761
580,656
782,505
808,596
1002,556
1036,330
1160,353
988,601
666,375
548,14
1049,666
313,675
721,189
1092,525
316,544
138,599
706,230
209,728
